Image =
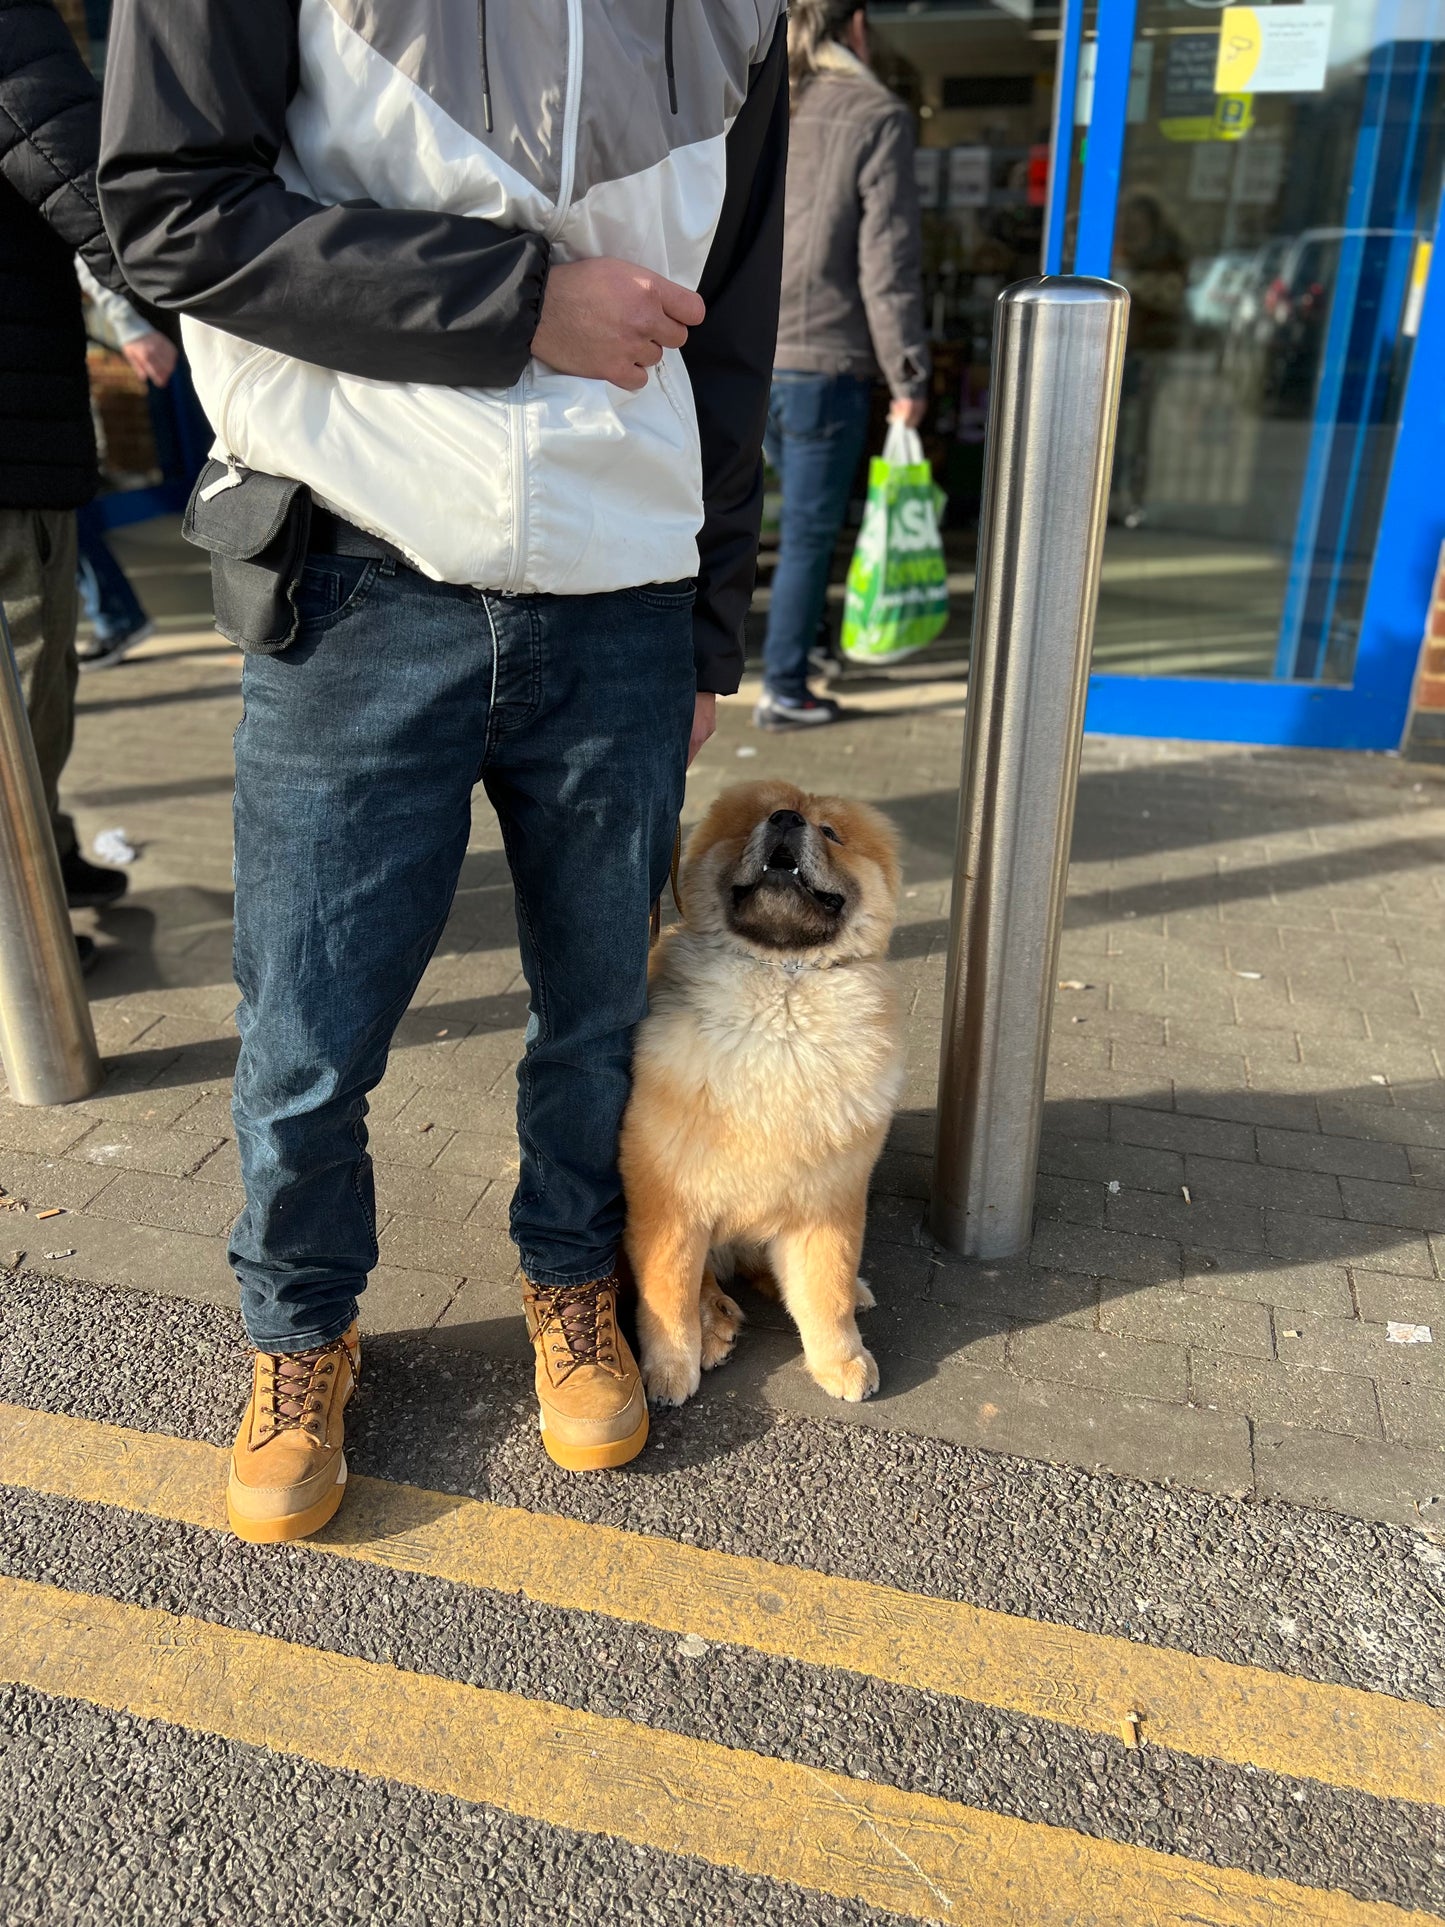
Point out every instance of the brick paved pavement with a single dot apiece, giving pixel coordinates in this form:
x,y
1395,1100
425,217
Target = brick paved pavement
x,y
1243,1174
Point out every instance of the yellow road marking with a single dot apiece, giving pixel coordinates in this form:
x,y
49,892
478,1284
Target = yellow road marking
x,y
1241,1714
911,1853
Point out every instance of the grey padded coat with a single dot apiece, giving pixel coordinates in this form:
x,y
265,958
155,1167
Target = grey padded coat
x,y
852,285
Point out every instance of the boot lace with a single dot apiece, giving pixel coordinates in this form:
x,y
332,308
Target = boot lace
x,y
578,1325
292,1395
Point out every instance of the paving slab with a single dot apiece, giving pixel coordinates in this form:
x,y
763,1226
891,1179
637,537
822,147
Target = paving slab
x,y
1400,1484
1259,932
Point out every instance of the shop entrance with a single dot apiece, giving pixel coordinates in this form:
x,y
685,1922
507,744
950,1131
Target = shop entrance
x,y
1267,182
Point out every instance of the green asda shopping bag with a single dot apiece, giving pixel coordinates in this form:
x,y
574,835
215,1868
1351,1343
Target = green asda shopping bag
x,y
897,598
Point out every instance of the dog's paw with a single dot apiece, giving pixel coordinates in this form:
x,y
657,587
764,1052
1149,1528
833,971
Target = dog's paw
x,y
671,1378
853,1379
722,1320
863,1299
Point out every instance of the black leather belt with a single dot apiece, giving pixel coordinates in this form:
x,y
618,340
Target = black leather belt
x,y
333,535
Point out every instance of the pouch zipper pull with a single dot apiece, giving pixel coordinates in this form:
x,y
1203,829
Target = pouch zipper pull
x,y
233,478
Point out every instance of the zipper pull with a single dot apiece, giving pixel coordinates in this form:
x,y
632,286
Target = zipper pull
x,y
233,478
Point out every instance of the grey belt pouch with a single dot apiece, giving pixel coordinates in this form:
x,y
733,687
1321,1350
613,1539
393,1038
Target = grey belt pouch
x,y
256,528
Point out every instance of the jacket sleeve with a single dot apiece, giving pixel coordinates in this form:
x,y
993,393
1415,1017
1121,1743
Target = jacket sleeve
x,y
50,130
117,322
195,118
890,257
730,364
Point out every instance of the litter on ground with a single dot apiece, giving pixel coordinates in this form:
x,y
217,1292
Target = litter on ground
x,y
114,846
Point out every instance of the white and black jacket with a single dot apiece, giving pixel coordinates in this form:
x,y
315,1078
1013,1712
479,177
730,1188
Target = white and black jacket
x,y
355,203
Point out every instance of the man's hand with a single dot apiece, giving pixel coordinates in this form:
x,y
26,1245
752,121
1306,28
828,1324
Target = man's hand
x,y
909,411
610,321
704,722
153,358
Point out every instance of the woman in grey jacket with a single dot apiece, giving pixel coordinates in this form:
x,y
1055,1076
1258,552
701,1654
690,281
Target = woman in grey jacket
x,y
852,303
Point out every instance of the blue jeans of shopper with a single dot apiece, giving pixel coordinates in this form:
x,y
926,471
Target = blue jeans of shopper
x,y
355,764
817,425
105,590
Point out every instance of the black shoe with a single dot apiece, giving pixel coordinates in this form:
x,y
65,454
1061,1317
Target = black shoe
x,y
87,886
101,652
795,712
86,951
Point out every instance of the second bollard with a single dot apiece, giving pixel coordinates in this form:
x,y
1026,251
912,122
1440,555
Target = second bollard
x,y
47,1041
1058,354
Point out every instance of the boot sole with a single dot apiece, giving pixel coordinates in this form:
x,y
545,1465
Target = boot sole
x,y
294,1525
595,1458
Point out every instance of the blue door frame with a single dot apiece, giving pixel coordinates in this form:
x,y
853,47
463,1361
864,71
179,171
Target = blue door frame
x,y
1371,711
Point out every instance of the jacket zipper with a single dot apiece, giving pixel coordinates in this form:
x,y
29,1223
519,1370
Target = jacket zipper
x,y
235,474
517,435
570,108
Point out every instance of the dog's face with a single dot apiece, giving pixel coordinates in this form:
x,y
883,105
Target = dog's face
x,y
788,874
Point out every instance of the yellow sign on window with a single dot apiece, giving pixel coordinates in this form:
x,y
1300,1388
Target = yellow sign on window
x,y
1233,117
1273,50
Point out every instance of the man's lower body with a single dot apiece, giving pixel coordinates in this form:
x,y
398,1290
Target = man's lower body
x,y
38,590
114,609
355,765
817,426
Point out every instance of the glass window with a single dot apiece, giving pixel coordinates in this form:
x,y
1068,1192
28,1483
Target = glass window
x,y
1270,241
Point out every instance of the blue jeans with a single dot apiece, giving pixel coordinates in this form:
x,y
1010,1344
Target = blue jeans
x,y
105,590
355,764
817,425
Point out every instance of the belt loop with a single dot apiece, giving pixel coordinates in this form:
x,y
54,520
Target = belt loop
x,y
388,565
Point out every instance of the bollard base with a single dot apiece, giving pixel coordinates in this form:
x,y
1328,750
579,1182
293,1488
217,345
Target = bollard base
x,y
981,1236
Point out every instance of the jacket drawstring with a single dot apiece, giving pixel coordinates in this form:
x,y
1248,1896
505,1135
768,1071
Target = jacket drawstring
x,y
667,54
486,78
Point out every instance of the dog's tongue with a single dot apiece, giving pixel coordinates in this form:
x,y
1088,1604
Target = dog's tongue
x,y
781,858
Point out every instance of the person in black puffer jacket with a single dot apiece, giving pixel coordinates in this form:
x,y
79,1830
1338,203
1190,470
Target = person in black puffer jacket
x,y
49,214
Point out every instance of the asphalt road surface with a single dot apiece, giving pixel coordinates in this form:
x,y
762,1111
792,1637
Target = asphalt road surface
x,y
778,1671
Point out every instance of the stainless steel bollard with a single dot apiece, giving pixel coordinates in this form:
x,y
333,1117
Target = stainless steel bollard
x,y
47,1041
1058,353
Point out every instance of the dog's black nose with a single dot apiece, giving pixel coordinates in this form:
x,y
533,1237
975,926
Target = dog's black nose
x,y
787,819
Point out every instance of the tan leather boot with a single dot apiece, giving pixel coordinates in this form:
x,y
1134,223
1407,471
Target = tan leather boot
x,y
288,1471
594,1410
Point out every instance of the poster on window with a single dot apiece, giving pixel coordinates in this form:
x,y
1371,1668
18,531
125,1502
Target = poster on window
x,y
1261,172
1273,50
928,173
1211,171
968,176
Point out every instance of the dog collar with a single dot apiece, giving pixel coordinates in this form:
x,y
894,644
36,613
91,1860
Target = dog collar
x,y
795,966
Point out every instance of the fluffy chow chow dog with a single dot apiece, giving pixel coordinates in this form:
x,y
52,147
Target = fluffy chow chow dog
x,y
766,1073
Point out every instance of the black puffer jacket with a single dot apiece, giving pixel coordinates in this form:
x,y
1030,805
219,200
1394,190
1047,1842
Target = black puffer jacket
x,y
49,139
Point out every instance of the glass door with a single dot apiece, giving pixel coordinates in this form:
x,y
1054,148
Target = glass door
x,y
1266,181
